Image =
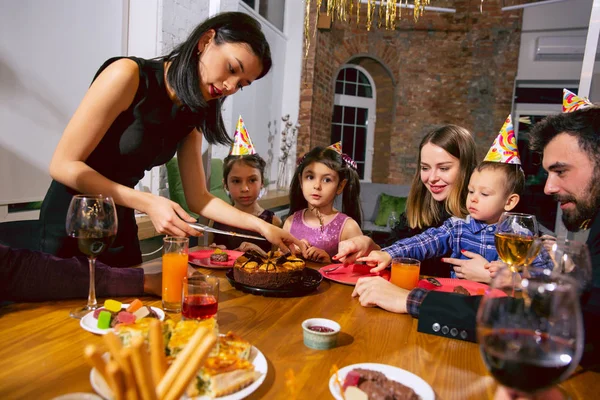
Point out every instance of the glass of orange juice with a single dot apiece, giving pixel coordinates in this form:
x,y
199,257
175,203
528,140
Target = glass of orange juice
x,y
174,269
405,272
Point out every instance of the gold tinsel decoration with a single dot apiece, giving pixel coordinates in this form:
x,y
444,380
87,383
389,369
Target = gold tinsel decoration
x,y
370,13
342,10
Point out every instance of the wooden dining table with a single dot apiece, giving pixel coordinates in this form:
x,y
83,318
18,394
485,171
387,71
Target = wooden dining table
x,y
41,347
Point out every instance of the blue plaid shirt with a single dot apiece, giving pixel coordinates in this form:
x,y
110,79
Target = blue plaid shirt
x,y
454,235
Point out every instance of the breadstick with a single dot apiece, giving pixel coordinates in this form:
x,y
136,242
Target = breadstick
x,y
131,389
158,360
200,345
94,358
116,380
141,369
180,361
117,352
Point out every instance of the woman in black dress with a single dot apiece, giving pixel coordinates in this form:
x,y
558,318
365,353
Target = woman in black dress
x,y
136,114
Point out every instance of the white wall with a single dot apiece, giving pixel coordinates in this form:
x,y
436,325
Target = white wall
x,y
278,93
568,18
49,52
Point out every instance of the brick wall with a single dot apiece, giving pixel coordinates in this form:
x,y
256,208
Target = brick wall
x,y
446,68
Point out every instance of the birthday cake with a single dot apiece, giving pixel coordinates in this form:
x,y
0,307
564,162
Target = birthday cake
x,y
270,271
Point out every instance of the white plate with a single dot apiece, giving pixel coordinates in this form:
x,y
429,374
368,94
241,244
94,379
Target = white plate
x,y
406,378
257,358
90,324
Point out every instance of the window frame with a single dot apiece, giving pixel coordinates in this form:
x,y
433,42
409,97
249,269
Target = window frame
x,y
370,104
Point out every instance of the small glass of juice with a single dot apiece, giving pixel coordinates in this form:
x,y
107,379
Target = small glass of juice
x,y
174,269
405,272
200,297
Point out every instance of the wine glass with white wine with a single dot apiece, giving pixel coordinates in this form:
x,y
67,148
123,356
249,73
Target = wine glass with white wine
x,y
92,221
516,233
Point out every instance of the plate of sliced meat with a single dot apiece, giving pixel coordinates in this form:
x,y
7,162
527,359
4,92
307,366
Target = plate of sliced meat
x,y
378,381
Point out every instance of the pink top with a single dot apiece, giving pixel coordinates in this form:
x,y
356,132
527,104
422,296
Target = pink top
x,y
326,238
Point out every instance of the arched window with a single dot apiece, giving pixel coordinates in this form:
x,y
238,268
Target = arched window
x,y
353,121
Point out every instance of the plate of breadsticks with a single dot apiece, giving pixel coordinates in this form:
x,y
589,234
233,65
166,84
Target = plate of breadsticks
x,y
201,364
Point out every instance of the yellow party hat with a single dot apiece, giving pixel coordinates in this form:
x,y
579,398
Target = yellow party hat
x,y
572,102
337,146
242,144
504,149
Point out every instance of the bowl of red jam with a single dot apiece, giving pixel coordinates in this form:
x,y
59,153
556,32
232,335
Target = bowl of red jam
x,y
320,333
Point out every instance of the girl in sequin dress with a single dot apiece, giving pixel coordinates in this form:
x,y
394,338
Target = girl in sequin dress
x,y
321,175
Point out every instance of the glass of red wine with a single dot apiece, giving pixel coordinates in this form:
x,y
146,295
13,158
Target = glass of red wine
x,y
200,297
92,221
535,340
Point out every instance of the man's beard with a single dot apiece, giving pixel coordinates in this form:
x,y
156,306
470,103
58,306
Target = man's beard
x,y
585,208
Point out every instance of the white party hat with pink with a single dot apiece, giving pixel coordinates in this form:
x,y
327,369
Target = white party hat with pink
x,y
572,102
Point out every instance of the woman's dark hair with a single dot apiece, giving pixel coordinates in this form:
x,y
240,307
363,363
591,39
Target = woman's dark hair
x,y
183,76
251,160
332,159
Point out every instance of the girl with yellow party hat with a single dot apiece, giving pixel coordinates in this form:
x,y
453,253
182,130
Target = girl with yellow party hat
x,y
495,187
243,180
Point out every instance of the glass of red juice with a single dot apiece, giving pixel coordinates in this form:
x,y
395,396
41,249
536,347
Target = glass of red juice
x,y
200,297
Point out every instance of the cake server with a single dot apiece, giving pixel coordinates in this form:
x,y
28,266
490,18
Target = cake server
x,y
204,228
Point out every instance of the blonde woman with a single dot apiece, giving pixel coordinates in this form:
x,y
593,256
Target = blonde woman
x,y
439,190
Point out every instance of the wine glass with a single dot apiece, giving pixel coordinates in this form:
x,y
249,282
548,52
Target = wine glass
x,y
392,220
572,258
92,220
515,235
535,341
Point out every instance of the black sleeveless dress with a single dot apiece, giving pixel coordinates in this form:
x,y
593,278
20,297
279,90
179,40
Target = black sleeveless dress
x,y
142,137
233,242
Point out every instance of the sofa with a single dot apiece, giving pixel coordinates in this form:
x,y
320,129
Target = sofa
x,y
370,202
370,198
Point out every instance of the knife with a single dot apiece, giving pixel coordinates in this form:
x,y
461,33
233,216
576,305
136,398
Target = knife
x,y
204,228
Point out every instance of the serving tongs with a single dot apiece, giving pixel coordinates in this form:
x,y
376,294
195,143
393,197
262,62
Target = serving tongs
x,y
204,228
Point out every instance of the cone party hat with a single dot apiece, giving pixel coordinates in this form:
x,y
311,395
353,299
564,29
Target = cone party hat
x,y
337,147
572,102
504,149
242,144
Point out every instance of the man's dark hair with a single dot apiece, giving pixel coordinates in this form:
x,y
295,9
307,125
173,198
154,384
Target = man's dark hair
x,y
583,124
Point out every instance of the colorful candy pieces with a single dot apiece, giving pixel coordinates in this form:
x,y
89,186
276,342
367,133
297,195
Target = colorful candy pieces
x,y
134,306
113,305
125,317
104,319
141,313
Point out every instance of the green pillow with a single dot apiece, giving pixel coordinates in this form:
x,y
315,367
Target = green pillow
x,y
387,204
176,187
215,183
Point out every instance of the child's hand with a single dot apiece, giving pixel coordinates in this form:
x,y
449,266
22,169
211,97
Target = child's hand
x,y
378,259
247,246
494,267
548,241
316,254
472,268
